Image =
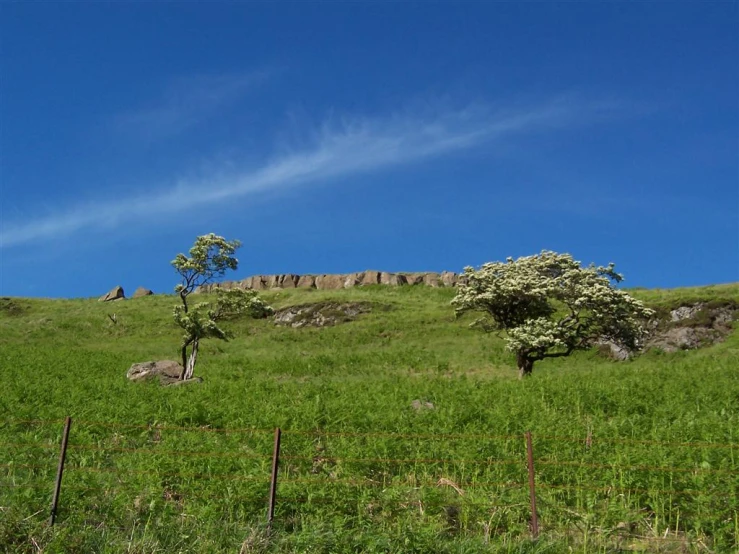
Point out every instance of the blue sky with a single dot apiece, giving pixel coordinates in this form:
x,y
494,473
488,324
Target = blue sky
x,y
335,137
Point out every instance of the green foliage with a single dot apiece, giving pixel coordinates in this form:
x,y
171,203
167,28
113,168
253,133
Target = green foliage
x,y
132,489
210,257
550,306
202,320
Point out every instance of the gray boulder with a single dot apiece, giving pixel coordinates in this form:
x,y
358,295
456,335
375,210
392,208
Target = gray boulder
x,y
141,291
116,293
166,371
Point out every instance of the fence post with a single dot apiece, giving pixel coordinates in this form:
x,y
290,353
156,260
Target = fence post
x,y
60,470
273,481
532,491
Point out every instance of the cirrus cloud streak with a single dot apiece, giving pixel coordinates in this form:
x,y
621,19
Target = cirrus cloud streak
x,y
350,147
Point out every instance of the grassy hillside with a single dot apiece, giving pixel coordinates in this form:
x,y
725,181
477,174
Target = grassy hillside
x,y
152,469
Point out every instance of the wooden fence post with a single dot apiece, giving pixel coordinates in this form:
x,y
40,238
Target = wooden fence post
x,y
60,470
532,491
273,481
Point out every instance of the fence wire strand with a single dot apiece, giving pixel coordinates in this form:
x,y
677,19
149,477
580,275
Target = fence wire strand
x,y
317,488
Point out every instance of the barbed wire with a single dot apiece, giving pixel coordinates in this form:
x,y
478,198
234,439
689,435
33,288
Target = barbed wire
x,y
621,490
635,468
588,439
181,453
402,460
592,439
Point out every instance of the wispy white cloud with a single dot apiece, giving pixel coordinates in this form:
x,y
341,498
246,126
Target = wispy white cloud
x,y
342,148
185,102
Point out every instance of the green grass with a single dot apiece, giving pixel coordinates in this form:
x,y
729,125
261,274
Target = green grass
x,y
361,470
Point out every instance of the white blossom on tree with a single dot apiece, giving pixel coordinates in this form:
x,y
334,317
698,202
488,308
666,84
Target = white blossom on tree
x,y
549,306
210,257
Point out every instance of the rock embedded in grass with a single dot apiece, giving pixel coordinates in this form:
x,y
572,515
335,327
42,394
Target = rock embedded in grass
x,y
419,405
167,371
320,314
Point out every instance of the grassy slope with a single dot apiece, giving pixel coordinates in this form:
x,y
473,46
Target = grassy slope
x,y
65,357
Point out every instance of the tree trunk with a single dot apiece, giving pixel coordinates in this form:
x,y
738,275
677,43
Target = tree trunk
x,y
183,297
525,365
183,354
190,367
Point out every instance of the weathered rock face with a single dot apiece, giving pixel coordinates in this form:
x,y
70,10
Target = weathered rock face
x,y
353,279
692,326
115,293
392,279
339,281
683,328
414,278
370,278
257,282
432,280
141,291
307,282
448,278
289,281
330,282
321,314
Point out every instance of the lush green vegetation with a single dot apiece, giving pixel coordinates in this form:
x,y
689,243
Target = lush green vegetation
x,y
360,470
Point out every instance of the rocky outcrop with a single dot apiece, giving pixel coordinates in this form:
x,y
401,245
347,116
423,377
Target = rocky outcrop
x,y
141,291
329,282
307,282
693,326
115,293
448,278
685,327
414,278
340,281
392,279
321,314
370,278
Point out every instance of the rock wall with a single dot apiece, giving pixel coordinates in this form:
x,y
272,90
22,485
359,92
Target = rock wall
x,y
339,281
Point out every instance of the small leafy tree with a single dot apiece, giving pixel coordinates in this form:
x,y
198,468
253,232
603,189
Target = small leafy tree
x,y
549,306
210,257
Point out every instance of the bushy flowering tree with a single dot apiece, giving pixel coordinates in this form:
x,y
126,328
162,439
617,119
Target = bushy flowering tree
x,y
549,306
210,257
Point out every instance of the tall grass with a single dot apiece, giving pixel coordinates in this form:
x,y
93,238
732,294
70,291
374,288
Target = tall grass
x,y
633,456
